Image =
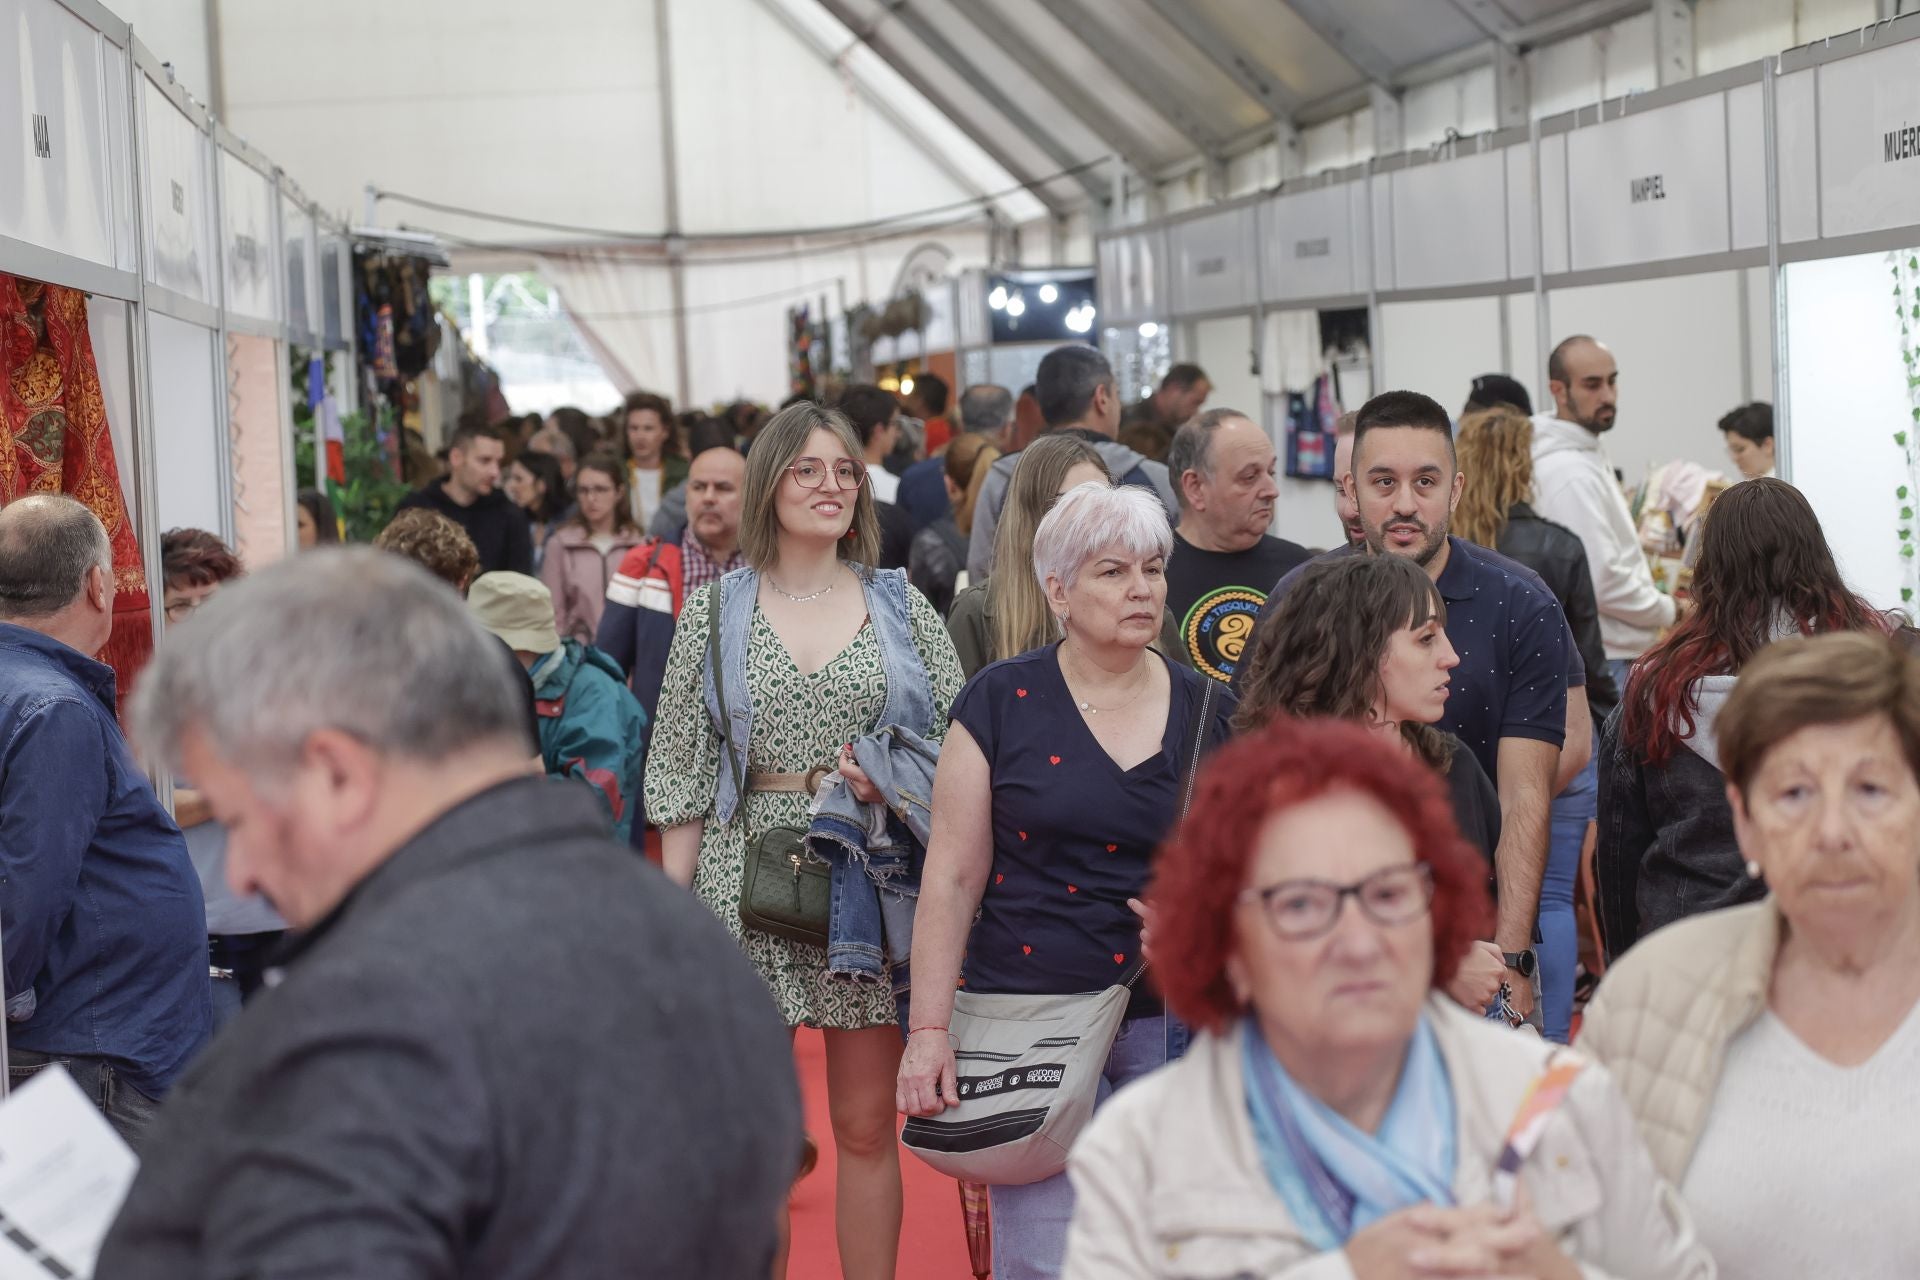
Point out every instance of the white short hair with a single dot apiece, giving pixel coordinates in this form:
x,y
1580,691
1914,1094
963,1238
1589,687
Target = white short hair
x,y
1092,519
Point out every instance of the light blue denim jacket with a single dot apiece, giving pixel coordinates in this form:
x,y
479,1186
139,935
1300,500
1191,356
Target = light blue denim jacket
x,y
856,935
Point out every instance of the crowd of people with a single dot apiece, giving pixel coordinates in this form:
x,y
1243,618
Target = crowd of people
x,y
1012,752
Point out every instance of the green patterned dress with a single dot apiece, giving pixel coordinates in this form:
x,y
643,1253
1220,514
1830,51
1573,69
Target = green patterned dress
x,y
799,721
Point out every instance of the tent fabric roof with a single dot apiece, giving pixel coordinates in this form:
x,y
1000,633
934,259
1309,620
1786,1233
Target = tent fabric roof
x,y
1048,86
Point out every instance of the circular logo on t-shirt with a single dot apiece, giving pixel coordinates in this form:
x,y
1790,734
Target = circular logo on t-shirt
x,y
1219,627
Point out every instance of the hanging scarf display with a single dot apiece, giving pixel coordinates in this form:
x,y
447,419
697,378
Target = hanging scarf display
x,y
54,439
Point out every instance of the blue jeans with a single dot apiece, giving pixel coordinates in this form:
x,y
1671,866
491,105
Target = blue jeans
x,y
1030,1222
127,1109
1559,947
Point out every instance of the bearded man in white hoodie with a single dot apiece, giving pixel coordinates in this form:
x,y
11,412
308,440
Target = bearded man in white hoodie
x,y
1574,486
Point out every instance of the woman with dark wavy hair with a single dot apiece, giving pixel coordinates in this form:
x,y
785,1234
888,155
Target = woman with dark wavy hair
x,y
1364,638
1335,1115
1666,846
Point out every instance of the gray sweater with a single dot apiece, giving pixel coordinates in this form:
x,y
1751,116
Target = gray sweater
x,y
515,1052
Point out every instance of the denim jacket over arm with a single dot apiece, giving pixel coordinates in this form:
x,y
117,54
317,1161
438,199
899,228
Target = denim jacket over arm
x,y
855,931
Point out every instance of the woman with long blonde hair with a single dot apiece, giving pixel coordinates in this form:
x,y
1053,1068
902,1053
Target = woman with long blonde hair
x,y
1495,450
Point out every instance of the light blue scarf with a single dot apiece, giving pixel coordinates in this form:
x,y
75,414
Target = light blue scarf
x,y
1334,1178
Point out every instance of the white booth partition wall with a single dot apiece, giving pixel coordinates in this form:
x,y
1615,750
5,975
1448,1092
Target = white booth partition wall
x,y
1214,299
1653,220
185,359
1445,277
1313,257
1131,300
259,459
68,216
1847,122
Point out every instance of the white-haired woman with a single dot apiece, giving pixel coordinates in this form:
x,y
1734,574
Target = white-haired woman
x,y
1060,775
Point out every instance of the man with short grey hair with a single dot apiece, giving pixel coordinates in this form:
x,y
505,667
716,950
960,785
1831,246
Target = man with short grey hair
x,y
505,1046
987,410
1078,395
102,919
1224,561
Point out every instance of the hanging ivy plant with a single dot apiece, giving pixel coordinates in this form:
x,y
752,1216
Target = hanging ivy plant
x,y
1906,306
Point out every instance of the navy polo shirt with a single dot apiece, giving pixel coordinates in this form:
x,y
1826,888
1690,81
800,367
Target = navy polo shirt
x,y
1517,654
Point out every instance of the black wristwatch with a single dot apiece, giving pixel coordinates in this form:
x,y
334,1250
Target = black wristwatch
x,y
1521,962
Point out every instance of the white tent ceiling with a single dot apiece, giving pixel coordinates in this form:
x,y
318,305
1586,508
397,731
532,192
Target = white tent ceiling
x,y
543,130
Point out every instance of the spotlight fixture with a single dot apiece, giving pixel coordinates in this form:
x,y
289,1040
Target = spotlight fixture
x,y
1149,329
998,298
1016,306
1048,294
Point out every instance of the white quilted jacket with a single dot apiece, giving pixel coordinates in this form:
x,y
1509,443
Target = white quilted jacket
x,y
1667,1010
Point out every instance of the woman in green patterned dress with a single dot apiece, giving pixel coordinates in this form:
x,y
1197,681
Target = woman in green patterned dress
x,y
816,670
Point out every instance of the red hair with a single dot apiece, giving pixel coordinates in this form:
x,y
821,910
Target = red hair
x,y
1203,866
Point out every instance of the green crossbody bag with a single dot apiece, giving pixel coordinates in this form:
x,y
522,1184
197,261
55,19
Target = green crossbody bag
x,y
784,891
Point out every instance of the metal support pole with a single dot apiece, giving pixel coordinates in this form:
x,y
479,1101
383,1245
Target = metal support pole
x,y
1376,335
1542,321
146,444
1777,284
222,370
670,191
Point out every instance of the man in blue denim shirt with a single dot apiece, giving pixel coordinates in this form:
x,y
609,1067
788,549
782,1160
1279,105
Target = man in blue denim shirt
x,y
101,915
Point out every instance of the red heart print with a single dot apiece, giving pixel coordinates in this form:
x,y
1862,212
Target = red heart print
x,y
1073,888
1020,693
1026,951
1118,958
1113,848
1054,759
998,878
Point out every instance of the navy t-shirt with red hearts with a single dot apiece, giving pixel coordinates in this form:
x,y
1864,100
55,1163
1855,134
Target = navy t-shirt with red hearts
x,y
1073,832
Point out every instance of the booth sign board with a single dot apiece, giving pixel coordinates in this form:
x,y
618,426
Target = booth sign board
x,y
179,206
1132,267
1449,223
1649,186
1869,135
333,251
1553,206
249,246
1314,243
939,330
56,142
296,232
1793,139
1213,262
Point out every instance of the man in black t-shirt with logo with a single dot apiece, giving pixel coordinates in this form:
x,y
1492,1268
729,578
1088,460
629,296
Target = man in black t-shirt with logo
x,y
1224,561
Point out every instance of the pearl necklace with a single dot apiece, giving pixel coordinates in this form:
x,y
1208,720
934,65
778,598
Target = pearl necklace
x,y
1092,710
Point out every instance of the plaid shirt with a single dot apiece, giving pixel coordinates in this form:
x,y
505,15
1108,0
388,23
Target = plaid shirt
x,y
698,567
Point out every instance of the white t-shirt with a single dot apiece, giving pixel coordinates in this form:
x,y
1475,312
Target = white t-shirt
x,y
644,489
886,485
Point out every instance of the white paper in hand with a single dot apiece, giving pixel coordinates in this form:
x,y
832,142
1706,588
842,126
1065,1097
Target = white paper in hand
x,y
63,1174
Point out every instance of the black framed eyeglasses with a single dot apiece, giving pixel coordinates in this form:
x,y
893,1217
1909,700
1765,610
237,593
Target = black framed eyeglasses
x,y
811,473
1302,910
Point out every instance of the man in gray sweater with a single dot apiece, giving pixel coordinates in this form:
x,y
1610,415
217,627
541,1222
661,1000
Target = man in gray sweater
x,y
505,1047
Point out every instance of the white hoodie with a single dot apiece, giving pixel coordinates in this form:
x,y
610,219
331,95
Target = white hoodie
x,y
1573,485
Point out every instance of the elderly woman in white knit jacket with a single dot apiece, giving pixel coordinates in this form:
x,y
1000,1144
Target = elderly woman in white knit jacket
x,y
1771,1050
1337,1118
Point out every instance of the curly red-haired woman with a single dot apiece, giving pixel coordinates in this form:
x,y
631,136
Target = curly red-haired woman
x,y
1336,1115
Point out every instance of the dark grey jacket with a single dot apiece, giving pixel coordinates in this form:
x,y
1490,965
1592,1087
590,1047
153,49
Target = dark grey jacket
x,y
515,1052
1556,553
1665,847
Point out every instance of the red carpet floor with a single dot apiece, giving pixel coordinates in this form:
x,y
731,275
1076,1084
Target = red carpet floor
x,y
933,1242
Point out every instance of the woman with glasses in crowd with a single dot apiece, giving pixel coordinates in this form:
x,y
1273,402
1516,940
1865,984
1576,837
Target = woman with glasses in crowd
x,y
1336,1117
815,648
583,553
